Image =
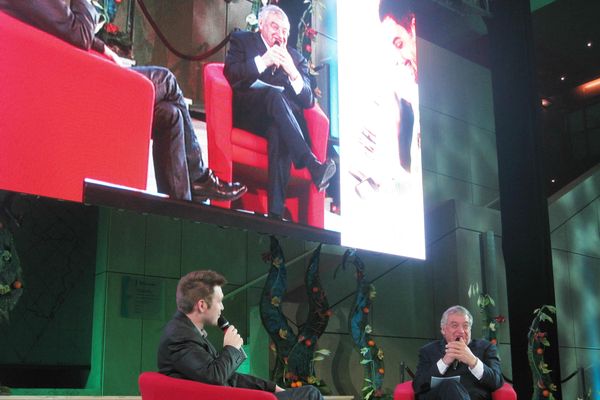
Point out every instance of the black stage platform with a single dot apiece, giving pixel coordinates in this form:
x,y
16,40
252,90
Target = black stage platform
x,y
104,194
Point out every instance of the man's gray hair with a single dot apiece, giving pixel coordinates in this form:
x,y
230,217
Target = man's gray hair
x,y
271,9
456,310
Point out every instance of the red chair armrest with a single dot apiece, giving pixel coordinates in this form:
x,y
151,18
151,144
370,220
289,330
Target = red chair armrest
x,y
156,386
318,131
506,392
67,114
404,391
219,120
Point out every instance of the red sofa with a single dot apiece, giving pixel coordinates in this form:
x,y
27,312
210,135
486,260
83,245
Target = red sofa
x,y
156,386
67,114
238,155
404,391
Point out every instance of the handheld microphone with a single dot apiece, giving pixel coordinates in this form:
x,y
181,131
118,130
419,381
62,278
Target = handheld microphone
x,y
274,68
455,362
223,324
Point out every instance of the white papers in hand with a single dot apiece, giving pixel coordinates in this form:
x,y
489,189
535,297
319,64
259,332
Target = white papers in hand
x,y
436,381
258,84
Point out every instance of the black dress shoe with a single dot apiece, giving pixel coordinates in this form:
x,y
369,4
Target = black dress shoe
x,y
212,188
322,173
276,217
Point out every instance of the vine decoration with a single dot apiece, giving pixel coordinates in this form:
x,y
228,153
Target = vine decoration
x,y
486,306
11,273
543,387
110,33
361,329
295,353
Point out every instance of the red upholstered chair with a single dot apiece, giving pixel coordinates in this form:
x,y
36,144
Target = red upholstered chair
x,y
67,114
404,391
156,386
238,155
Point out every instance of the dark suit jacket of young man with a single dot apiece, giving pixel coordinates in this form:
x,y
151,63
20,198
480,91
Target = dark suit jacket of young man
x,y
491,380
185,353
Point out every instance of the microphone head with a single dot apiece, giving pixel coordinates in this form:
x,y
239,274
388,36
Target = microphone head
x,y
222,323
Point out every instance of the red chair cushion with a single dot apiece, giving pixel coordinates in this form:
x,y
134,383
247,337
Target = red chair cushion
x,y
156,386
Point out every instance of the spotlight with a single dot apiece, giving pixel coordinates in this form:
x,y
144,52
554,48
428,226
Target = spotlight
x,y
562,78
553,180
589,44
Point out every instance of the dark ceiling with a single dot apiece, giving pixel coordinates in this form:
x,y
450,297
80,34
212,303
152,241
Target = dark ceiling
x,y
561,31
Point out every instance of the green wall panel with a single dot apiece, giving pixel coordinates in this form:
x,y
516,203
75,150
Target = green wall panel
x,y
163,247
152,329
122,344
126,242
211,247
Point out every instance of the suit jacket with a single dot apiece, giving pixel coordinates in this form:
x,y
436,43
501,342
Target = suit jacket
x,y
184,353
491,380
74,24
240,68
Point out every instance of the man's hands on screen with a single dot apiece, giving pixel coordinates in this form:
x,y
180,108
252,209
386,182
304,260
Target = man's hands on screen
x,y
115,57
232,338
278,57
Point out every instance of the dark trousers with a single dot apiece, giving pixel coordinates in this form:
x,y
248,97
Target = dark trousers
x,y
301,393
272,114
176,151
446,390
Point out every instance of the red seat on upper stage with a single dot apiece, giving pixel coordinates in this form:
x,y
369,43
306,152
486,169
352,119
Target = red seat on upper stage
x,y
67,114
238,155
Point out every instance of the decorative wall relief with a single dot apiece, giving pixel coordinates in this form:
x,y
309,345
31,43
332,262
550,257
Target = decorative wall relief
x,y
543,387
11,274
360,328
296,353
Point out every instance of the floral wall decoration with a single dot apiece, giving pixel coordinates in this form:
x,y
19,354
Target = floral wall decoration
x,y
543,387
11,274
307,34
360,328
109,32
295,353
487,306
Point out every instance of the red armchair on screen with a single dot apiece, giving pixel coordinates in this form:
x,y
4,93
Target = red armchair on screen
x,y
404,391
238,155
156,386
67,114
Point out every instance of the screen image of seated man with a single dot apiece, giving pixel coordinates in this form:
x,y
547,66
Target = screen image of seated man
x,y
179,168
271,88
475,362
184,350
391,119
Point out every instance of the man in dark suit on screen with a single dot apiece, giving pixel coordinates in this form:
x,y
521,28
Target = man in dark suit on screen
x,y
475,362
271,88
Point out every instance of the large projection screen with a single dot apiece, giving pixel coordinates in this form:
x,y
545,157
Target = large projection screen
x,y
380,146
